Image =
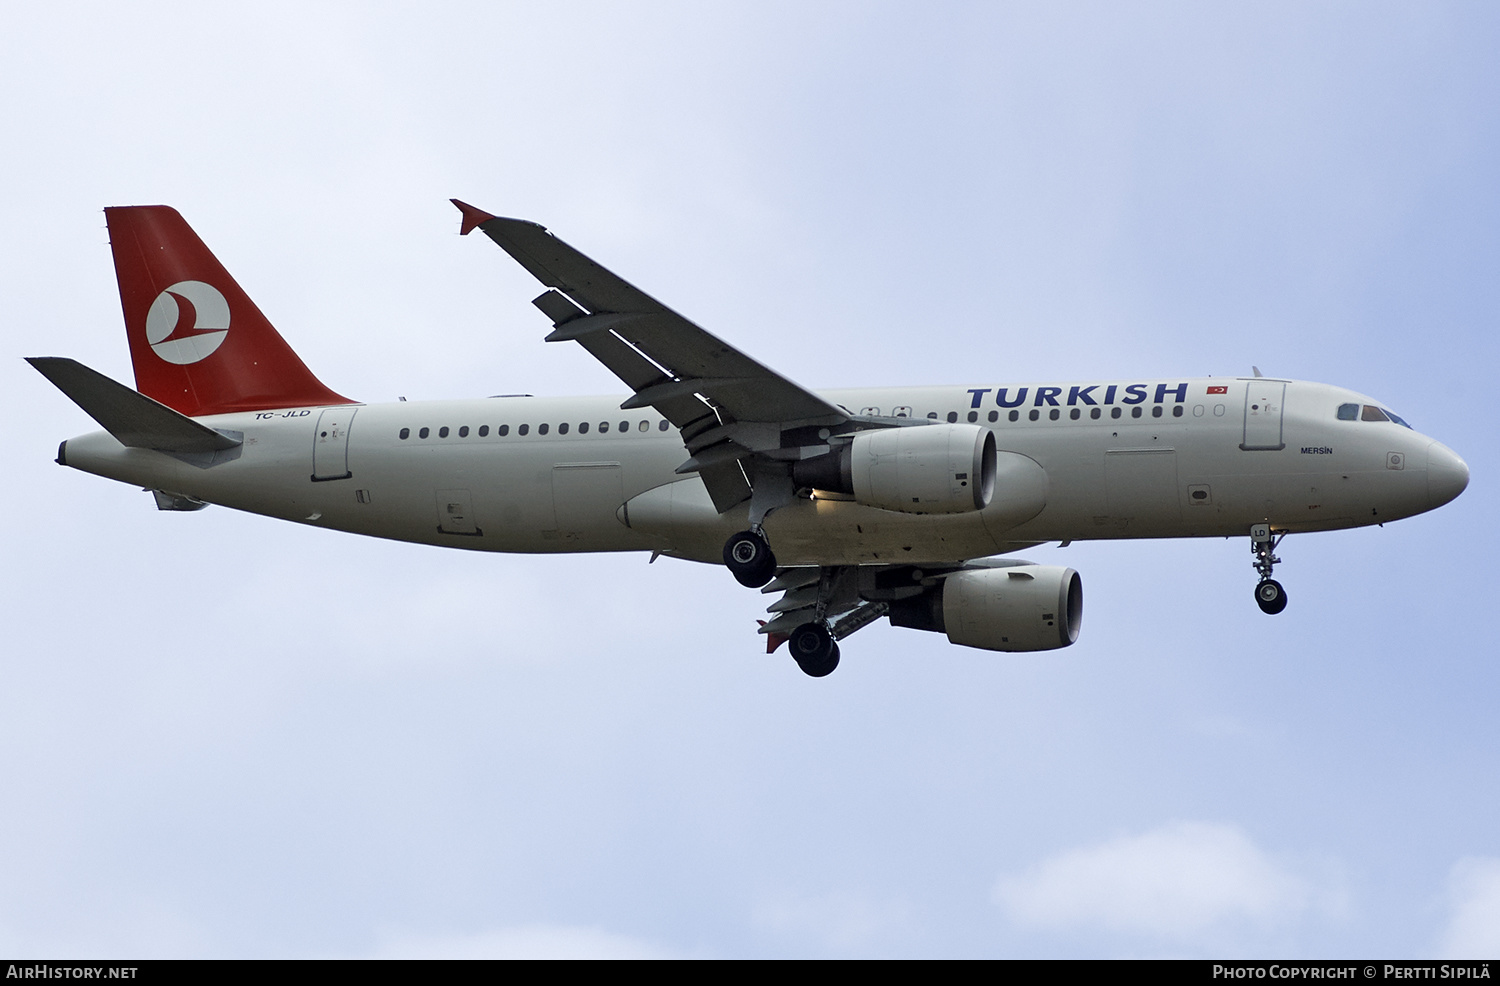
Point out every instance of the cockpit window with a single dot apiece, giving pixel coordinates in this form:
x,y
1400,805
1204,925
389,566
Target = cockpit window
x,y
1369,412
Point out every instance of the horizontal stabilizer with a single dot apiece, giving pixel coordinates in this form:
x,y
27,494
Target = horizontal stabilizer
x,y
134,419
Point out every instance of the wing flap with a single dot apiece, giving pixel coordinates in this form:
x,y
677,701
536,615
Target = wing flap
x,y
726,485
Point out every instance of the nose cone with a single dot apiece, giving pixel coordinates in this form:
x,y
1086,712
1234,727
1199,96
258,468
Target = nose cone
x,y
1447,475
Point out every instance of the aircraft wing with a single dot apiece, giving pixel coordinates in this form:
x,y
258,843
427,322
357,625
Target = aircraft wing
x,y
847,598
809,594
697,381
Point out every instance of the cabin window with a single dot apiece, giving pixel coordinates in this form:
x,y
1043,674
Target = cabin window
x,y
423,433
645,426
503,430
405,434
463,432
973,416
603,427
624,425
583,427
1035,414
1156,411
484,430
662,426
1348,412
541,429
523,429
562,429
1054,414
1135,412
994,415
1177,410
443,432
952,416
1075,414
932,415
1095,412
1015,415
1114,412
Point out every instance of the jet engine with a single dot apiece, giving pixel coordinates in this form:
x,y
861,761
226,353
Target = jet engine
x,y
932,469
1017,608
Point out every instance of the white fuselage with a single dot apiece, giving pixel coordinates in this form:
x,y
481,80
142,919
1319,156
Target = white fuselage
x,y
1178,461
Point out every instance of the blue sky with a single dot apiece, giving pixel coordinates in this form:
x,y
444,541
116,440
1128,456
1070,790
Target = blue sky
x,y
225,736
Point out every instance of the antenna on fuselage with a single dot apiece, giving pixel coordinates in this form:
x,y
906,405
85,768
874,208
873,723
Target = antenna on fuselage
x,y
1256,370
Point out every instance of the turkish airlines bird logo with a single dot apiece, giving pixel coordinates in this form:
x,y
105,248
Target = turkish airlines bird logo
x,y
187,322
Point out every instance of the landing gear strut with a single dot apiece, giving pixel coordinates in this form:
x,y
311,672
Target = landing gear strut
x,y
749,559
1269,595
814,649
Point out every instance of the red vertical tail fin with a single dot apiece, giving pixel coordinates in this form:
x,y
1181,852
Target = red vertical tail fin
x,y
198,343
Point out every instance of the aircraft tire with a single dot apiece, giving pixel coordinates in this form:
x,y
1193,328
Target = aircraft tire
x,y
1270,597
815,652
749,559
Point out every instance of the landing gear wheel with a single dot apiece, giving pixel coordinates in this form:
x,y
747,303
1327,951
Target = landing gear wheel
x,y
1270,597
749,559
814,650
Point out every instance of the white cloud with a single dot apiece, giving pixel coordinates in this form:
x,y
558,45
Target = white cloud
x,y
526,941
1473,931
1178,881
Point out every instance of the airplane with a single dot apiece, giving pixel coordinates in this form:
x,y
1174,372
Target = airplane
x,y
906,504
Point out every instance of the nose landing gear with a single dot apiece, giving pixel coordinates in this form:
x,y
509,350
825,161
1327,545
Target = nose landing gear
x,y
1269,595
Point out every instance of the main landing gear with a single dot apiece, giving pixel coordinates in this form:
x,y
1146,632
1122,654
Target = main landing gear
x,y
814,649
1269,595
749,559
809,594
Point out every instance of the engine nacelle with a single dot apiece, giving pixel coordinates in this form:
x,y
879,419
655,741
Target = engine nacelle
x,y
927,469
1021,608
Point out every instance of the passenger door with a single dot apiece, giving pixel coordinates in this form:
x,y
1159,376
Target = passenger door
x,y
331,444
1263,399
